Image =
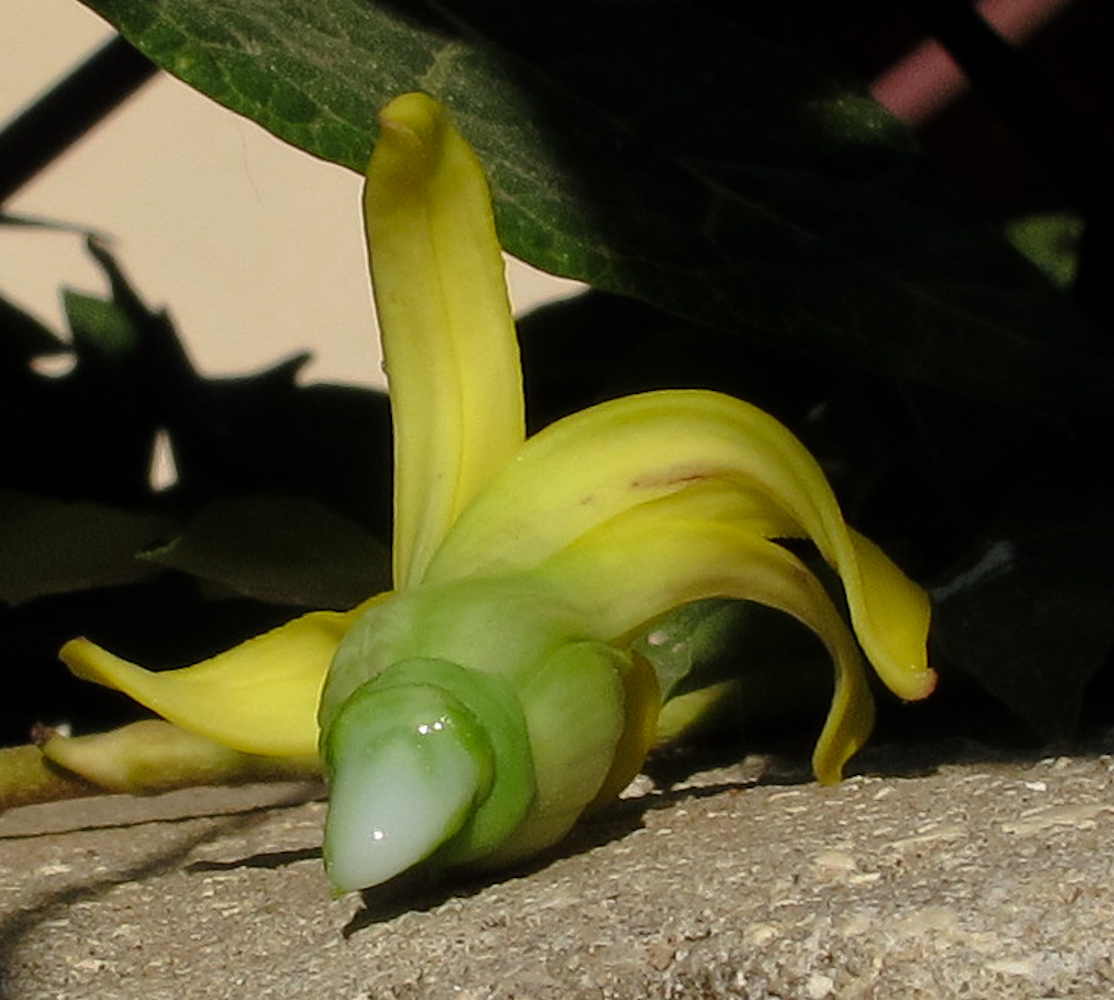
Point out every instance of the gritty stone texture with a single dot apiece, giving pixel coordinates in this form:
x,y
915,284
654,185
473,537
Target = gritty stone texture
x,y
982,878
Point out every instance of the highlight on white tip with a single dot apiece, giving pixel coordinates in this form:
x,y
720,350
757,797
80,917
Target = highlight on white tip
x,y
391,808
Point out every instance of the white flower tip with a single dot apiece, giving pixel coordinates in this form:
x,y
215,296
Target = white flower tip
x,y
393,806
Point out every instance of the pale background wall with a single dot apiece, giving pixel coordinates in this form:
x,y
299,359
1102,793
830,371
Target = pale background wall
x,y
255,247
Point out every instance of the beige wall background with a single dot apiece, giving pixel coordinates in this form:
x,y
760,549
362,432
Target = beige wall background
x,y
255,247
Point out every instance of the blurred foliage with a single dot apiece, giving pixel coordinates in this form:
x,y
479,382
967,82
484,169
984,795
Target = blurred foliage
x,y
280,494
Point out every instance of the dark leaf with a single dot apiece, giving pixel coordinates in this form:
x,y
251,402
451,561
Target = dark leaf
x,y
708,163
762,666
285,550
51,547
23,338
1028,614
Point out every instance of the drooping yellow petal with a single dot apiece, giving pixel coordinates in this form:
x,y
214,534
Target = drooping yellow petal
x,y
700,543
260,697
448,335
583,470
891,615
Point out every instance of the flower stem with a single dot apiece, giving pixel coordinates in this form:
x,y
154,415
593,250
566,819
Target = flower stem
x,y
27,777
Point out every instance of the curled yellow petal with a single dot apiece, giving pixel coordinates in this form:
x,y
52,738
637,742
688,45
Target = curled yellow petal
x,y
701,543
585,469
448,334
259,697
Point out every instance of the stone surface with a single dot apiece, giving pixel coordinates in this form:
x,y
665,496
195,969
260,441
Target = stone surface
x,y
976,877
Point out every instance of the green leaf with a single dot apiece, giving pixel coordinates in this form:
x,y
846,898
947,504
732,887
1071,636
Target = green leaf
x,y
286,550
731,666
705,162
100,327
684,647
1051,241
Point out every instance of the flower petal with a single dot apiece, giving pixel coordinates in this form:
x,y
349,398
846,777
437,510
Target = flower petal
x,y
583,470
260,697
700,543
153,756
448,334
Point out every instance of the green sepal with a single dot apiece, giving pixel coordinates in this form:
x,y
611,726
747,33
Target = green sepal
x,y
574,706
504,625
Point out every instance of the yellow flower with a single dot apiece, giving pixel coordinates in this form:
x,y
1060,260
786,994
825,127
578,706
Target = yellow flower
x,y
473,713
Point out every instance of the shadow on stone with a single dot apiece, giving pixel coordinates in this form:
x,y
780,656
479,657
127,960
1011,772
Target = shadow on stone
x,y
422,891
265,859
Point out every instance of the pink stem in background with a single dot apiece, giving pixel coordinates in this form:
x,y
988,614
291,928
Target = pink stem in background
x,y
927,80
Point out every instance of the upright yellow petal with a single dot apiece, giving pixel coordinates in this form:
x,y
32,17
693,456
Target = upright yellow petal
x,y
448,333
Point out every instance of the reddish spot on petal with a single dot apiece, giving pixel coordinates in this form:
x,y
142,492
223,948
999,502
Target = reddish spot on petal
x,y
675,477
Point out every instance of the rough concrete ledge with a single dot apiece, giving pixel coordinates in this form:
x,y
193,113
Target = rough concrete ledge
x,y
982,878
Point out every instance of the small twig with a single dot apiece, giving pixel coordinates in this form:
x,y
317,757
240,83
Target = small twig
x,y
27,777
